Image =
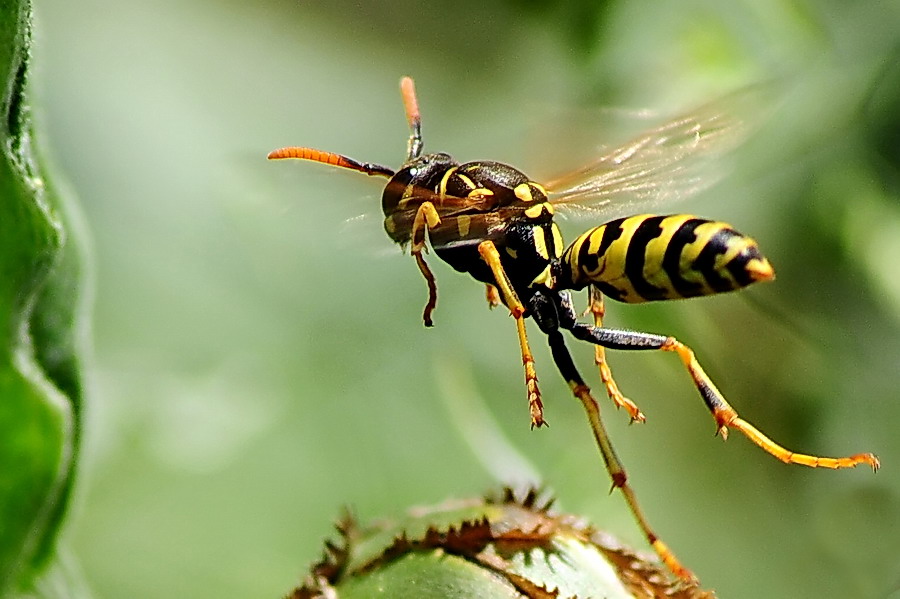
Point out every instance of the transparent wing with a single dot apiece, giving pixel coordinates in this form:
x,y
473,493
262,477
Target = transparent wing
x,y
667,163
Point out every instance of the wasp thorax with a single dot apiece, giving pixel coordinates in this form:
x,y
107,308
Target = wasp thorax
x,y
505,184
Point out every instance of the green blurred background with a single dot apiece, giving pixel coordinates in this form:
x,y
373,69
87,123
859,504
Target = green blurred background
x,y
259,354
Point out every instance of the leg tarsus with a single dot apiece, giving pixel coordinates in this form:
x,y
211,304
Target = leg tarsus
x,y
724,415
727,418
432,289
535,405
790,457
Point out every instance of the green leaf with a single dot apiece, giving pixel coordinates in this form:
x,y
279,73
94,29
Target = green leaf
x,y
39,381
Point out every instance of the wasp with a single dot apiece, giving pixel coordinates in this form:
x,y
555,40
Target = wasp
x,y
491,221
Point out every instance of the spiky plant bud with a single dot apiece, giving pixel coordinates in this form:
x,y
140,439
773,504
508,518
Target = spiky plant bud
x,y
506,546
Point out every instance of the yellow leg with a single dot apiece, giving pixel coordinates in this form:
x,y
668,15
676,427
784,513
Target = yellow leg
x,y
726,417
612,389
491,256
426,218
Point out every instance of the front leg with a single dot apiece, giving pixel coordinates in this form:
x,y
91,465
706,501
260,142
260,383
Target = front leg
x,y
491,256
426,218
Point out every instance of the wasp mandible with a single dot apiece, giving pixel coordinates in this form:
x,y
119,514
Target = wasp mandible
x,y
491,221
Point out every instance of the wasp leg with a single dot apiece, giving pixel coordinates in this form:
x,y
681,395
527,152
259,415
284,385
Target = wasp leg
x,y
725,416
614,466
426,218
491,256
612,389
492,296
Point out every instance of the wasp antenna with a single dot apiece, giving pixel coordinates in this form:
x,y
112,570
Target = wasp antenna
x,y
411,105
330,158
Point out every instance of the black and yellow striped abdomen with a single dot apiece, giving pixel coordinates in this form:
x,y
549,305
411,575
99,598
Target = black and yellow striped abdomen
x,y
648,257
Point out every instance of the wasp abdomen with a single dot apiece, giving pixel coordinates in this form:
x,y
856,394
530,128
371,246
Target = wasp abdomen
x,y
647,258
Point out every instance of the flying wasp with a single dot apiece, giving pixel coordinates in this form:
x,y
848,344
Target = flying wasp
x,y
491,221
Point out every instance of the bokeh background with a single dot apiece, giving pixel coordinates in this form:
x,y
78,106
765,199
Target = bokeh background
x,y
259,358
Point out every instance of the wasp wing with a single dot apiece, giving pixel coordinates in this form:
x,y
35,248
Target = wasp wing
x,y
667,163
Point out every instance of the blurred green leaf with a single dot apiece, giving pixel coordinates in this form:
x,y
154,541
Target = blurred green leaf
x,y
39,385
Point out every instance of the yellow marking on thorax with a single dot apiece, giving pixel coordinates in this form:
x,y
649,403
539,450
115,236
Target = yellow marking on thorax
x,y
408,193
523,192
513,253
545,278
537,210
540,244
466,180
534,211
558,243
443,187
